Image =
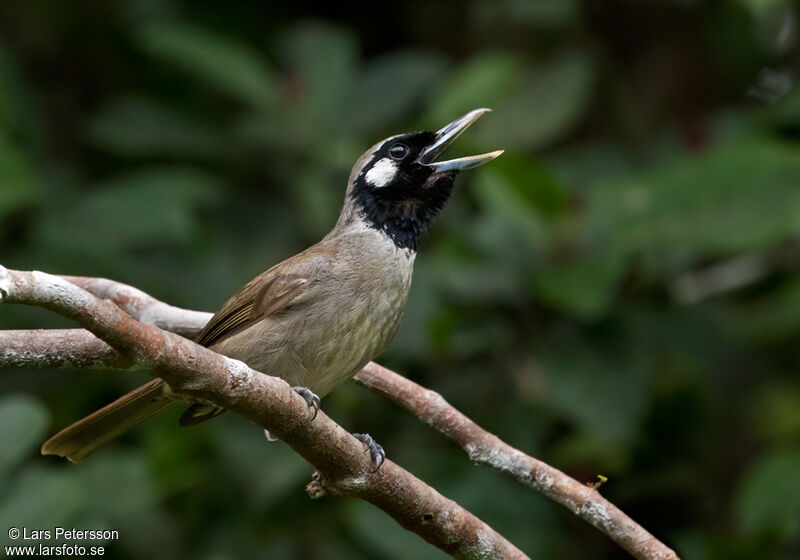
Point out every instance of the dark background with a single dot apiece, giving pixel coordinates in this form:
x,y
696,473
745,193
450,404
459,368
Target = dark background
x,y
618,294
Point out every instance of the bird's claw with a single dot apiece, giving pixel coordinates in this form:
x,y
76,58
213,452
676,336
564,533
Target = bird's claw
x,y
312,400
270,437
376,452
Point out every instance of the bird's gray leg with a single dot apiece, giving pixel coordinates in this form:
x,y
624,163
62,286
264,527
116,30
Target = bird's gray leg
x,y
312,400
376,452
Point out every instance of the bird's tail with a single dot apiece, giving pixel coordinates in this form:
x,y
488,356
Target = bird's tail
x,y
81,439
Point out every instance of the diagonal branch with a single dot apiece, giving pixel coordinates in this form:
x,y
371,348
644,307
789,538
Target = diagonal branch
x,y
144,307
342,466
73,347
488,449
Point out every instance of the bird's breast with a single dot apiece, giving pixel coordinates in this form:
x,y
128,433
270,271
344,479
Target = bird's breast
x,y
354,314
358,327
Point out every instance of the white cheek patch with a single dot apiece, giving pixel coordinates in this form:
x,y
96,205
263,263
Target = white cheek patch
x,y
382,173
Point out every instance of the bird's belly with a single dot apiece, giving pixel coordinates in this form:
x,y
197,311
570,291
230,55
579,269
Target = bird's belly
x,y
319,350
346,344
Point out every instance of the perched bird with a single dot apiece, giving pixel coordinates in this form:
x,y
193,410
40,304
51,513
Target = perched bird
x,y
318,317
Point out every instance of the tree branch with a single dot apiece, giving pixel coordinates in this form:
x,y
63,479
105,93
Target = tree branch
x,y
485,448
190,369
79,348
144,307
59,348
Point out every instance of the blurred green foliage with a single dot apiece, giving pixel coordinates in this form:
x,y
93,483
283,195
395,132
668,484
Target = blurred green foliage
x,y
617,294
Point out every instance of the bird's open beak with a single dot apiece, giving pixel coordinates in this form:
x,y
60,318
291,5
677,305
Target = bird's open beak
x,y
445,137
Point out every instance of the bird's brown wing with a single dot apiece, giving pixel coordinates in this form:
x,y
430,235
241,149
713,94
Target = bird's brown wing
x,y
267,295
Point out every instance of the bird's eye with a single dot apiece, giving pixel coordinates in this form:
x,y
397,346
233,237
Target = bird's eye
x,y
398,151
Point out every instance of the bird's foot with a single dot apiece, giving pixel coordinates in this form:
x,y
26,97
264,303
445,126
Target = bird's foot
x,y
376,452
312,400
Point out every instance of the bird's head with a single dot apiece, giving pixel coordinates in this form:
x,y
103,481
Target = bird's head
x,y
397,186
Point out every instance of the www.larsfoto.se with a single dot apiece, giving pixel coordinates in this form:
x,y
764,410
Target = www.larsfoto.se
x,y
64,549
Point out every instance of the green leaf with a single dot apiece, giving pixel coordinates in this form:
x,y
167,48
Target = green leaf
x,y
768,498
389,86
19,118
532,106
734,198
730,41
40,499
19,186
470,487
483,81
583,167
232,67
156,205
379,533
324,57
511,203
139,127
8,80
316,202
544,106
582,285
787,111
584,447
602,390
120,488
288,472
775,315
24,422
539,14
464,338
775,410
533,185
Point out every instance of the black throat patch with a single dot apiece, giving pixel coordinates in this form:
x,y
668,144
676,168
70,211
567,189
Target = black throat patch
x,y
404,210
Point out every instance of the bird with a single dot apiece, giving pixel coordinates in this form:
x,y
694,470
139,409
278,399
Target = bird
x,y
318,317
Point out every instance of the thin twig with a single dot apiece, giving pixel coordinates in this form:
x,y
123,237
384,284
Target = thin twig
x,y
487,449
